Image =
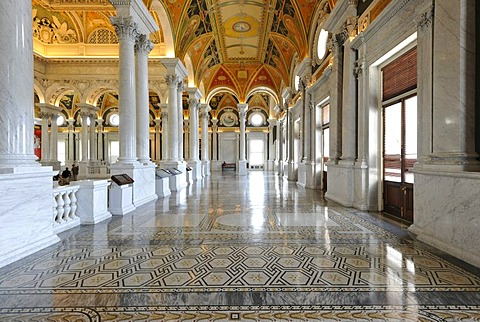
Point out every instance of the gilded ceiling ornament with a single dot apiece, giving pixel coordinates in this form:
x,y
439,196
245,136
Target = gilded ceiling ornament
x,y
52,32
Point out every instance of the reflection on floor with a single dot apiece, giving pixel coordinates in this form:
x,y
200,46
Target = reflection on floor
x,y
240,248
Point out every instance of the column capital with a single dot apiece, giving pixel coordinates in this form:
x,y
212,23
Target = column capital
x,y
180,87
242,110
193,103
49,108
87,108
272,122
143,45
194,93
425,19
125,28
204,109
172,80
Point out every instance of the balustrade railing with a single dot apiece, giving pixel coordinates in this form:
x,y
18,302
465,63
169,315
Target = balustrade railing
x,y
64,208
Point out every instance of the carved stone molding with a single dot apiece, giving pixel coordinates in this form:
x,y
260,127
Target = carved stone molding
x,y
193,103
358,68
425,20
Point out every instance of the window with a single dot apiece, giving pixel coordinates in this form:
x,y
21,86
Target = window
x,y
256,119
256,152
61,152
114,119
322,44
114,151
60,120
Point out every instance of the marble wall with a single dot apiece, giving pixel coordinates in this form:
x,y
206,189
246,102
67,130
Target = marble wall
x,y
26,213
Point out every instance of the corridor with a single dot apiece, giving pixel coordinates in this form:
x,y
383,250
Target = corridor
x,y
240,248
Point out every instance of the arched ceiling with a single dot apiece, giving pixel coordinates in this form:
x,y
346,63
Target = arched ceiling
x,y
240,45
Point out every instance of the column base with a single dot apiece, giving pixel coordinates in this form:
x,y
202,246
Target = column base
x,y
54,164
205,168
292,171
242,168
341,190
196,166
121,199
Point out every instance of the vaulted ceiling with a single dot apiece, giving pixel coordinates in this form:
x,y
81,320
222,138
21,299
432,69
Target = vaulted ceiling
x,y
234,45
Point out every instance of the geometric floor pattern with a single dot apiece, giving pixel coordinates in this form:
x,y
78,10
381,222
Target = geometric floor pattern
x,y
240,248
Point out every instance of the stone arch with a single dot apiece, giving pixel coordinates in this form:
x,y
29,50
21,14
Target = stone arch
x,y
161,11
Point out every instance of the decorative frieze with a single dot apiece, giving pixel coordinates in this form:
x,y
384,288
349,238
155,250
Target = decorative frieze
x,y
52,32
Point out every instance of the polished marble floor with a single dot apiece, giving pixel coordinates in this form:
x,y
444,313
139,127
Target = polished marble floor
x,y
232,248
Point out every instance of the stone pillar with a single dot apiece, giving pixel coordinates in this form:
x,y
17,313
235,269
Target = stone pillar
x,y
204,109
93,146
100,155
127,32
172,82
45,137
84,115
336,46
53,138
71,141
165,133
271,145
193,105
242,160
186,135
349,110
280,147
291,174
25,187
215,139
142,49
307,133
158,126
180,88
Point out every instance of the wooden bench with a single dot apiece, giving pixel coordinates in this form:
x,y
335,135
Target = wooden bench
x,y
229,166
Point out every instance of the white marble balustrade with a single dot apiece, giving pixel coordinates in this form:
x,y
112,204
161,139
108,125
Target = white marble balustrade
x,y
65,208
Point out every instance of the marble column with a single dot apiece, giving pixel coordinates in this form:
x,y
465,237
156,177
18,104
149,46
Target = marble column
x,y
158,137
84,115
93,146
53,138
193,105
215,139
165,133
100,155
186,135
45,137
180,89
71,142
127,32
25,187
271,145
291,173
172,82
280,147
142,49
307,115
242,162
204,109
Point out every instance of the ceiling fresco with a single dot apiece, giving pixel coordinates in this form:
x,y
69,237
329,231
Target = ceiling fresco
x,y
239,45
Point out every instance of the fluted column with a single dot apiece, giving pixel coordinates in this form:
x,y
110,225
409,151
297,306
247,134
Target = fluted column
x,y
180,88
53,138
84,116
16,83
127,33
165,133
172,82
45,137
214,139
193,107
142,49
158,126
93,145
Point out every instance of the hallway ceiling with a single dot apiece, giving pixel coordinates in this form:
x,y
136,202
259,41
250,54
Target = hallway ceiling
x,y
239,45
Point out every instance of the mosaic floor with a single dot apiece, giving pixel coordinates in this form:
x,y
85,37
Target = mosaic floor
x,y
240,248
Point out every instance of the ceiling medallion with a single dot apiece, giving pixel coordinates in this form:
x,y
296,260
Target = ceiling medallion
x,y
241,26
